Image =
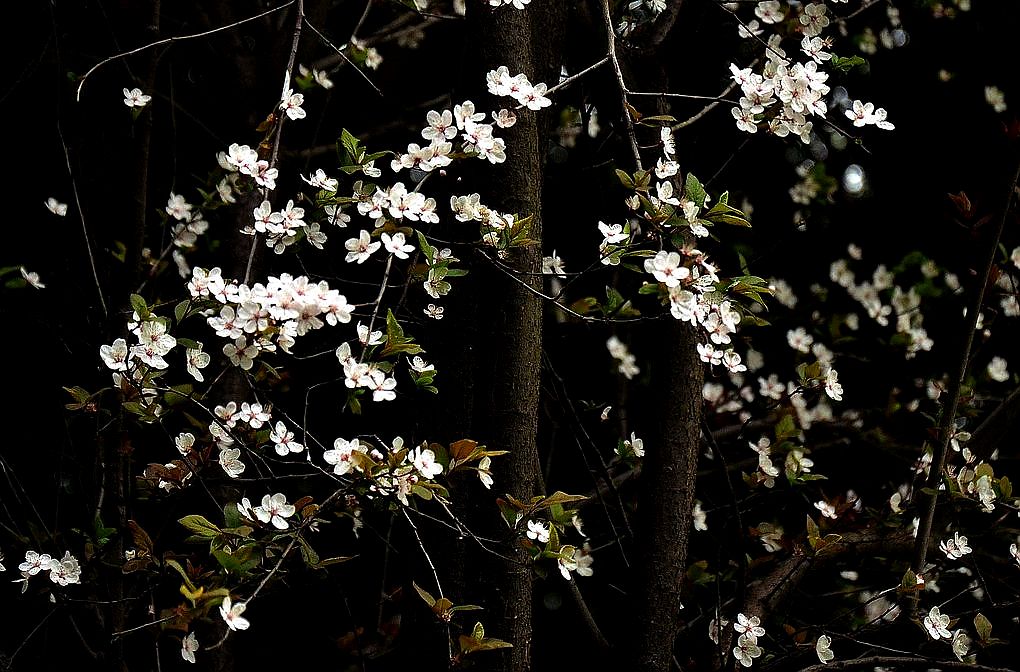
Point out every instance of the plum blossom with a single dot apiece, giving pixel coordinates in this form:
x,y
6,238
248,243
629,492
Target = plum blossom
x,y
275,510
955,547
135,98
538,531
231,614
936,623
188,647
822,649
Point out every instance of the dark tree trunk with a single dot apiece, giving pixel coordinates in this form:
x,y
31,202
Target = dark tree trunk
x,y
667,499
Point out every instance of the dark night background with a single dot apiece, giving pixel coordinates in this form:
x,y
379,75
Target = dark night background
x,y
213,91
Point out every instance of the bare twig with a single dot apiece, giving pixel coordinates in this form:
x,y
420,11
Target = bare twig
x,y
341,53
178,38
902,663
435,575
84,229
573,78
587,617
947,421
628,123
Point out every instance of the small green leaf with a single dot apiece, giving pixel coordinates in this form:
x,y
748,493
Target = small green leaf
x,y
200,526
625,179
425,595
909,582
812,532
139,306
845,65
694,191
559,497
786,428
983,627
176,566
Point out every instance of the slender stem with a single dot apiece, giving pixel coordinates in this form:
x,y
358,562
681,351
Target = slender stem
x,y
948,418
627,121
341,54
435,575
178,38
295,41
84,229
573,78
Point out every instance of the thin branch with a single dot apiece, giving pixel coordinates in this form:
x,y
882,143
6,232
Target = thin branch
x,y
279,126
566,309
947,420
121,633
573,78
81,217
587,617
705,110
178,38
435,575
342,55
10,661
901,663
628,123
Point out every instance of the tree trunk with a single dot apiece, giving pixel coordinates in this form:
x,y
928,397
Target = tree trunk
x,y
667,499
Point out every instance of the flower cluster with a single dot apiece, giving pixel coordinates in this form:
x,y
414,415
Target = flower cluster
x,y
476,136
190,225
62,572
518,4
394,473
245,160
283,228
863,114
281,310
518,87
749,630
397,203
799,88
955,547
499,230
370,375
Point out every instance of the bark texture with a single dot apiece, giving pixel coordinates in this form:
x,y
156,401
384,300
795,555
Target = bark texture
x,y
667,499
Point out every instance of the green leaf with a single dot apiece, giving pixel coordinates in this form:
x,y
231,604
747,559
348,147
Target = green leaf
x,y
200,526
559,497
425,595
625,179
176,566
983,627
308,554
351,145
694,191
812,532
423,245
181,310
139,306
1005,487
909,583
724,213
188,343
240,561
659,119
786,428
845,65
104,533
